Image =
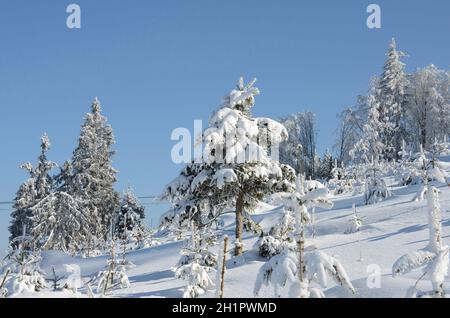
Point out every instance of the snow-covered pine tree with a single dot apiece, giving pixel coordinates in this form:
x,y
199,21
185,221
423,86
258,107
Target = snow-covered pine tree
x,y
38,186
434,259
91,176
128,224
238,168
391,97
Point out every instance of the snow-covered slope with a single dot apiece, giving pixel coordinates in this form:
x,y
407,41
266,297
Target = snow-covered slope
x,y
390,229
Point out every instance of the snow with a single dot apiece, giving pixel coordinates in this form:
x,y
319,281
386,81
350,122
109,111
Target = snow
x,y
391,228
224,176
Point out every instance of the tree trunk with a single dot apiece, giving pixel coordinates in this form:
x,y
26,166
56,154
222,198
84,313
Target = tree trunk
x,y
239,223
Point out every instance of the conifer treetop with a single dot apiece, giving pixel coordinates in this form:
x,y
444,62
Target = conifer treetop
x,y
96,106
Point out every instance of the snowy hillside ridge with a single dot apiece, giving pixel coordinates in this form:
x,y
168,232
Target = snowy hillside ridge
x,y
397,225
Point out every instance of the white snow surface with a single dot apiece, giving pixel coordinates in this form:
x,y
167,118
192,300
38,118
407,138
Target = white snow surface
x,y
390,229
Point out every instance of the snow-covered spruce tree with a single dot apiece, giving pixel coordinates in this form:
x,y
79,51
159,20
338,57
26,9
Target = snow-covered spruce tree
x,y
25,275
37,187
197,248
434,258
392,97
195,265
115,273
303,270
129,224
238,168
91,177
376,189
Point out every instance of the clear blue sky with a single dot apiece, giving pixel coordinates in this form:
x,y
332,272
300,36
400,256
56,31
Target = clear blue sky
x,y
158,65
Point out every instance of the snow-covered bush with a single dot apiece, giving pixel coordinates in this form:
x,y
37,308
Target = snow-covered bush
x,y
269,246
197,277
280,236
295,267
148,238
202,256
355,223
282,272
22,266
433,259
